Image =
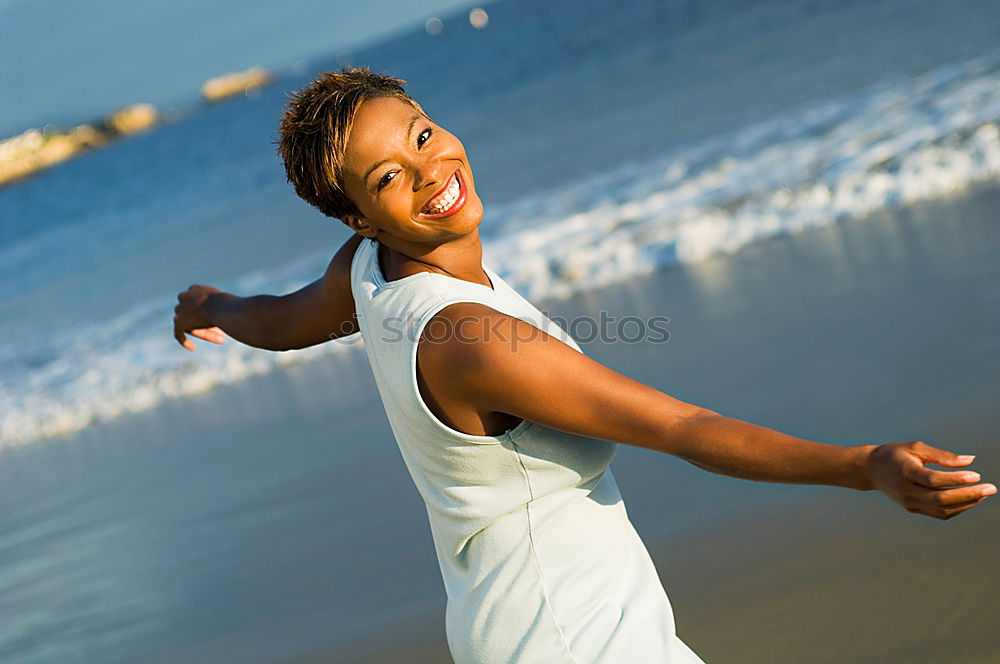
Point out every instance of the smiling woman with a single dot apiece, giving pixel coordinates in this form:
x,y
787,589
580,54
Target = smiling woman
x,y
506,426
410,180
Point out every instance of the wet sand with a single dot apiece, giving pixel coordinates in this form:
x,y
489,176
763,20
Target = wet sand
x,y
908,349
273,520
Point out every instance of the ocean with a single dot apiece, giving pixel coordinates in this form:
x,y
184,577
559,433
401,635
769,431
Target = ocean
x,y
610,141
655,133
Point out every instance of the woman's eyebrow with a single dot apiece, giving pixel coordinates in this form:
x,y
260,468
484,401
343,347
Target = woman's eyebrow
x,y
409,130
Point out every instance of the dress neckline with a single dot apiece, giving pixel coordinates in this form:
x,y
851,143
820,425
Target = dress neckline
x,y
384,283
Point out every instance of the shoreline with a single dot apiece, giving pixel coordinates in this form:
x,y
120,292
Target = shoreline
x,y
33,150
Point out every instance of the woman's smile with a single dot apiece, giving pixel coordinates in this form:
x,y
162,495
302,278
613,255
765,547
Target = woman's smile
x,y
446,201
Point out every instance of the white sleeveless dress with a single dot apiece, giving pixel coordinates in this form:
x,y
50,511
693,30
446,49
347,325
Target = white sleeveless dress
x,y
540,561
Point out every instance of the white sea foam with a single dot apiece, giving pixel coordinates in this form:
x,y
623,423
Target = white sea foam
x,y
895,144
891,145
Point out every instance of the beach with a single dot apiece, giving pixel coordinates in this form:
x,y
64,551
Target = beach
x,y
806,190
273,520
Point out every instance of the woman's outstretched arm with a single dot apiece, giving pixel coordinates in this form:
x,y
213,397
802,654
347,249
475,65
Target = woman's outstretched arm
x,y
500,364
320,311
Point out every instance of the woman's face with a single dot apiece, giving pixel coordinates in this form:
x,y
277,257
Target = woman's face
x,y
409,178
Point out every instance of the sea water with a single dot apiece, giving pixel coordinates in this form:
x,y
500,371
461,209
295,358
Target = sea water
x,y
608,140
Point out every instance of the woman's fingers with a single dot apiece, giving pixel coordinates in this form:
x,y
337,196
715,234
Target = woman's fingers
x,y
959,496
901,474
939,456
955,510
936,479
184,341
187,314
181,338
946,507
213,334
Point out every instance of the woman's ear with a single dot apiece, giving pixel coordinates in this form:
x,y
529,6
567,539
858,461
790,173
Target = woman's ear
x,y
360,226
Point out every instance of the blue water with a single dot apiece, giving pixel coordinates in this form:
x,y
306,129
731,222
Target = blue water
x,y
72,62
609,140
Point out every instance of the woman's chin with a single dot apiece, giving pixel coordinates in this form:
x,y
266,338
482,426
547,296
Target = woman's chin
x,y
473,213
468,219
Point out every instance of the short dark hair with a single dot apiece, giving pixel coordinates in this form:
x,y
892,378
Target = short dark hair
x,y
314,129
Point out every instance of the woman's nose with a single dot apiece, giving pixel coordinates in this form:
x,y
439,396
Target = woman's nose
x,y
429,173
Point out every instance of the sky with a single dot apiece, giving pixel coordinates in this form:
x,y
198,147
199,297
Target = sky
x,y
67,61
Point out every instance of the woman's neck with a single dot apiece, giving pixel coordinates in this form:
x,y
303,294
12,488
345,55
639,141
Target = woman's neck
x,y
461,258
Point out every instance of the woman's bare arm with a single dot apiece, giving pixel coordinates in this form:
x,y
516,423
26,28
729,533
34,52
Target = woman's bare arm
x,y
502,364
320,311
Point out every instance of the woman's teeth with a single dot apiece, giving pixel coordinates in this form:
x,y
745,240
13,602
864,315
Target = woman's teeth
x,y
446,199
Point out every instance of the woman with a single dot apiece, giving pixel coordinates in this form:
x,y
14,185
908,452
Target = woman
x,y
507,428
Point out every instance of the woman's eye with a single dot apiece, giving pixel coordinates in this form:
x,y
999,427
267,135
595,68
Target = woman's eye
x,y
424,135
386,179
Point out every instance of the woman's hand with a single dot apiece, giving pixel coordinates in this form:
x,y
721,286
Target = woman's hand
x,y
190,318
898,471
